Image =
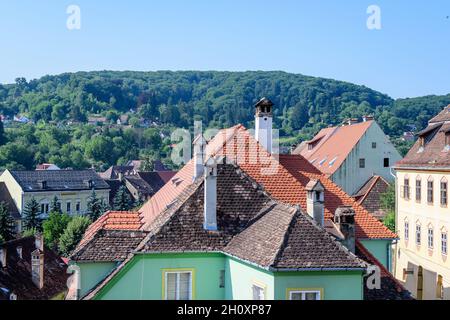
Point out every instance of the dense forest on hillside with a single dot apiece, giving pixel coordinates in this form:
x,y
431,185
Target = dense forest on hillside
x,y
60,106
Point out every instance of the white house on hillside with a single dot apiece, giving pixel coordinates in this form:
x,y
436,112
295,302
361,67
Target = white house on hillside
x,y
351,154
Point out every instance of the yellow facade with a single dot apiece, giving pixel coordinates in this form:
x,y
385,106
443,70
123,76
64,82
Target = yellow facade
x,y
423,222
72,201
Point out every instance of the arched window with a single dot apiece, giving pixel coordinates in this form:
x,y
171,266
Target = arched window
x,y
444,238
418,188
418,233
430,237
444,192
406,230
430,190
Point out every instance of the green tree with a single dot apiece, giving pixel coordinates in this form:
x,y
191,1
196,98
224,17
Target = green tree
x,y
387,200
55,206
30,232
95,206
2,133
73,234
54,227
122,200
31,215
6,223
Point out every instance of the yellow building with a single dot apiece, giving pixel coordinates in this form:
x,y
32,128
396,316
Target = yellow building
x,y
72,188
423,213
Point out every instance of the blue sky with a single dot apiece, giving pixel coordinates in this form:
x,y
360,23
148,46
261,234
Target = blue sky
x,y
408,57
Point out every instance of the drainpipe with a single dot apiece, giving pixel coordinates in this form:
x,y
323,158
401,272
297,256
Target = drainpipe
x,y
393,260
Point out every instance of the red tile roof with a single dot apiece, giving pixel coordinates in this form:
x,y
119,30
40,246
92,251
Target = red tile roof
x,y
284,178
335,144
112,220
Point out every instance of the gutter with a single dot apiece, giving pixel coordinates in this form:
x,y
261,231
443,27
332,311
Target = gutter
x,y
317,269
435,168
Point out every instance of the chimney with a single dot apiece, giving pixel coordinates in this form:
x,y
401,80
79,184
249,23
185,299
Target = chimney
x,y
39,241
37,268
367,118
199,155
352,121
3,257
210,185
263,123
344,218
315,201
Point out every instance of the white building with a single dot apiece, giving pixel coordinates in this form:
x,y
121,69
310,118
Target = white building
x,y
351,154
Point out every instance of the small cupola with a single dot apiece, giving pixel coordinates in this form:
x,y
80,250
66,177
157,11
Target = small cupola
x,y
315,200
263,123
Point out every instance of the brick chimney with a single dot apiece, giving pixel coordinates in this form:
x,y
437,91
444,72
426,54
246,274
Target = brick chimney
x,y
199,155
315,201
344,218
37,262
263,123
210,185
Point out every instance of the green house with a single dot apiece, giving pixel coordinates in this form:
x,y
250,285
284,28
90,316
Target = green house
x,y
223,238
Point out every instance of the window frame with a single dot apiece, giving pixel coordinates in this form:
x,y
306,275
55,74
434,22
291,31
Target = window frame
x,y
406,230
444,234
165,272
261,286
304,291
430,238
430,192
444,193
362,163
418,190
418,234
406,189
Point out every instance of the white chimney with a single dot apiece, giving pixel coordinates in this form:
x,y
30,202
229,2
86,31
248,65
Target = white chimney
x,y
199,155
210,205
315,201
263,123
37,262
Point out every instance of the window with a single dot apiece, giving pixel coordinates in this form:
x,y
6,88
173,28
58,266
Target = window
x,y
178,285
58,205
374,145
304,295
78,207
44,207
386,162
68,207
444,243
258,292
222,279
430,238
406,189
418,234
362,163
430,191
444,193
418,190
406,230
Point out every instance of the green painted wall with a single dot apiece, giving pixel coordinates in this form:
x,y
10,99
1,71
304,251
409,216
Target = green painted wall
x,y
141,279
342,285
379,248
240,278
93,273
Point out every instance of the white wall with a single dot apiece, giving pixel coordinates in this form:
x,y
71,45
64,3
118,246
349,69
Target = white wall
x,y
351,177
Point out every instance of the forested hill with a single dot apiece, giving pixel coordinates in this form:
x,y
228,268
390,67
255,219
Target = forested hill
x,y
303,105
218,98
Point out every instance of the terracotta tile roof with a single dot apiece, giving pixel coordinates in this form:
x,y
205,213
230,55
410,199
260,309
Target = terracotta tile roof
x,y
444,115
112,220
109,245
434,153
366,225
251,226
284,178
391,288
331,146
16,276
